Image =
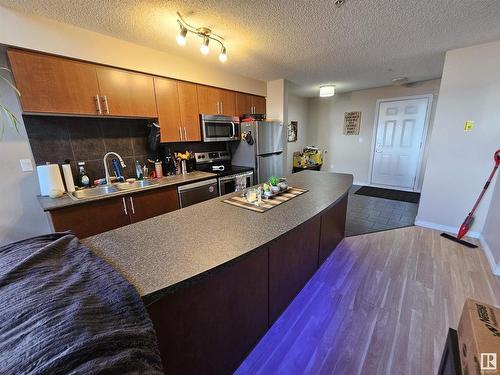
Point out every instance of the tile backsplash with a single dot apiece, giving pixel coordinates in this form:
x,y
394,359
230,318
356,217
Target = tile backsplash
x,y
55,139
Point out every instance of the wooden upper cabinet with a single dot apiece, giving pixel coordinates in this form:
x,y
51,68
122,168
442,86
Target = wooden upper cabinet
x,y
125,93
259,104
51,84
169,116
208,100
243,104
227,102
190,118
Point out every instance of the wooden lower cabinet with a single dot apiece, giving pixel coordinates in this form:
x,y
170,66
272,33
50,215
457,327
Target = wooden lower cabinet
x,y
209,326
293,259
332,229
152,203
88,219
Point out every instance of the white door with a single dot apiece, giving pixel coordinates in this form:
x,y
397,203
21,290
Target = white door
x,y
398,142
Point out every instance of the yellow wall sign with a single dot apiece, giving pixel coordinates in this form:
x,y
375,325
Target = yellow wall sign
x,y
469,125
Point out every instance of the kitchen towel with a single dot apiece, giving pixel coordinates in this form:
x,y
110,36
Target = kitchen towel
x,y
49,178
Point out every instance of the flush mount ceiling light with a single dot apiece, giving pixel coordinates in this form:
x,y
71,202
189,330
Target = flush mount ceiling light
x,y
326,91
204,33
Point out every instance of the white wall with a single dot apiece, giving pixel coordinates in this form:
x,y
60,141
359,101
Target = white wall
x,y
351,154
491,232
298,110
20,213
459,162
42,34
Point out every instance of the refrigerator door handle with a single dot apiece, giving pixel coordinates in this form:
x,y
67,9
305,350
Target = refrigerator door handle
x,y
270,154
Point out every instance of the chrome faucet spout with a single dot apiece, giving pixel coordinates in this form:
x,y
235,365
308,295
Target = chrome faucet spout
x,y
108,180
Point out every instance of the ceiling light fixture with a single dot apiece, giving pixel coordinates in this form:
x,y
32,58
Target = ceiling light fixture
x,y
203,32
326,91
181,37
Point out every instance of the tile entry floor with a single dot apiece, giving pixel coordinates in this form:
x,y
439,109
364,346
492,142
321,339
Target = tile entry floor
x,y
369,214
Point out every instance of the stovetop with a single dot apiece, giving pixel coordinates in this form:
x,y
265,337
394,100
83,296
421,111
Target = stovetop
x,y
206,160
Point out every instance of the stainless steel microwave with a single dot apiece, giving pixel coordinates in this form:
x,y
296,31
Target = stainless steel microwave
x,y
216,128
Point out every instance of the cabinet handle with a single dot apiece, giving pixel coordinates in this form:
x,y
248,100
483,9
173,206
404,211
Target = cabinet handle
x,y
185,135
218,111
132,205
253,109
124,206
98,105
106,106
221,107
180,133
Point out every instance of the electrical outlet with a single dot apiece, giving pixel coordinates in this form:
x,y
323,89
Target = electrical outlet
x,y
26,165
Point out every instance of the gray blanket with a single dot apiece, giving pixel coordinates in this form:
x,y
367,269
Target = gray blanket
x,y
64,310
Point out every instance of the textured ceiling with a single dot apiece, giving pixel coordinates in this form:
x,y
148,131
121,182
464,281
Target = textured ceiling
x,y
363,44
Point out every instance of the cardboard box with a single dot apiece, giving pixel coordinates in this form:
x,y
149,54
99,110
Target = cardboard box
x,y
479,338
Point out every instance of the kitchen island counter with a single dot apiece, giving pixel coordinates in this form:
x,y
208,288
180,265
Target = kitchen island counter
x,y
159,254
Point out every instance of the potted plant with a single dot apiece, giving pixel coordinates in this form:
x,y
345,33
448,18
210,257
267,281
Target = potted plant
x,y
6,115
274,181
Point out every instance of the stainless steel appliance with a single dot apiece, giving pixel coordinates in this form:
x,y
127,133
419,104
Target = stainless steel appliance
x,y
197,192
217,128
219,162
261,148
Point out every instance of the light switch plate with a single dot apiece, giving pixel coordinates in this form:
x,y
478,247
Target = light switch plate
x,y
26,165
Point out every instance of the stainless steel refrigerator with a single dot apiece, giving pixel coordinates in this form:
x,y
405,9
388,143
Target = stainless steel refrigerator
x,y
262,148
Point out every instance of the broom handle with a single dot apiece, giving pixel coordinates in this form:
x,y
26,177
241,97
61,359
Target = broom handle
x,y
496,157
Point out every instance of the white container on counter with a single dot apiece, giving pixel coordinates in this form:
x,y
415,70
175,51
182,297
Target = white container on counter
x,y
68,177
49,178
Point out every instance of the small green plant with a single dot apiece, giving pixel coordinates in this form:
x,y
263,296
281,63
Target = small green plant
x,y
6,115
274,181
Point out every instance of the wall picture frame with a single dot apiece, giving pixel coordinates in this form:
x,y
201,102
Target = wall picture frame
x,y
352,121
292,131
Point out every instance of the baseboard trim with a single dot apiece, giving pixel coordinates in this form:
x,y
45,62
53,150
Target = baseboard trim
x,y
444,228
495,268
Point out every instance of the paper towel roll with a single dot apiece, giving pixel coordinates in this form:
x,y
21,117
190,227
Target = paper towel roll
x,y
68,177
49,178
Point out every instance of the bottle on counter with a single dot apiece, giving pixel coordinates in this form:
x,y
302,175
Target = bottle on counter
x,y
82,179
158,169
138,171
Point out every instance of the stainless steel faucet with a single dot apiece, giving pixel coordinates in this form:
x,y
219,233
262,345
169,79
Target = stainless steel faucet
x,y
106,164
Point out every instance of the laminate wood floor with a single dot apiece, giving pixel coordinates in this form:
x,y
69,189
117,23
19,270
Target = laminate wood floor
x,y
380,304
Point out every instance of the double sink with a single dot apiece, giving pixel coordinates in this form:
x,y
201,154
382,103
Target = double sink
x,y
115,188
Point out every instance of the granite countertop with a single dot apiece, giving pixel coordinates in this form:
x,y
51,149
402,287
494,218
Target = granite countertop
x,y
159,254
49,204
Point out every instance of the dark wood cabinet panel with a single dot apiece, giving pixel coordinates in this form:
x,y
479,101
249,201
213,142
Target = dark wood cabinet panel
x,y
293,259
190,117
91,218
147,204
169,115
50,84
208,327
125,93
259,104
332,229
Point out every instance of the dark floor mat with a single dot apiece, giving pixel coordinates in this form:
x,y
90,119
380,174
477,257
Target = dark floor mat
x,y
395,195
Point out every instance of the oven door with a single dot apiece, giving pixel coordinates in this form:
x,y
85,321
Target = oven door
x,y
220,128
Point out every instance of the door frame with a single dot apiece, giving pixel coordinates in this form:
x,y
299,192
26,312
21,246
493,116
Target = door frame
x,y
429,98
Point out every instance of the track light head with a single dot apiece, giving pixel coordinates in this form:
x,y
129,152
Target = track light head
x,y
204,46
181,37
223,55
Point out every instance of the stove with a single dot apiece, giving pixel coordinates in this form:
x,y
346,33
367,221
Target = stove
x,y
230,177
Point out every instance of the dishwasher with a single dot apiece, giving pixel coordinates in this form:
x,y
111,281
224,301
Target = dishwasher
x,y
197,192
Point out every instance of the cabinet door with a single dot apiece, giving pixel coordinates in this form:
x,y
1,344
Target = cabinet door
x,y
169,114
152,203
125,93
228,102
243,104
51,84
208,100
190,117
259,104
92,218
